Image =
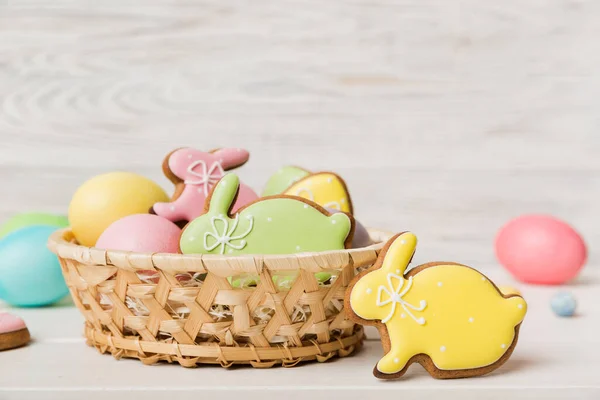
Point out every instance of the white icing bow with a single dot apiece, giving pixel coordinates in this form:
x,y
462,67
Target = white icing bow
x,y
395,297
226,238
206,177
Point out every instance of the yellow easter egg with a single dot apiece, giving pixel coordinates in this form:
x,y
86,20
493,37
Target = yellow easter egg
x,y
324,188
106,198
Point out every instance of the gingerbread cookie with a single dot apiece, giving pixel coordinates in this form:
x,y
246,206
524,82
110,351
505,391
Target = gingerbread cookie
x,y
13,332
447,317
194,174
283,179
324,188
270,225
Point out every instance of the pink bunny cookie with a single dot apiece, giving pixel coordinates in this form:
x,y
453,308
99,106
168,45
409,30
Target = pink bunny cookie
x,y
194,173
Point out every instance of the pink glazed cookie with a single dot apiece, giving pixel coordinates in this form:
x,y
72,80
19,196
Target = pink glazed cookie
x,y
194,174
13,332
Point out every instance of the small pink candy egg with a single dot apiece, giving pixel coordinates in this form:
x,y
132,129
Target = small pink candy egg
x,y
142,233
540,249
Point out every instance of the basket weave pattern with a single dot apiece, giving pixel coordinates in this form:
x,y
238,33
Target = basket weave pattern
x,y
187,308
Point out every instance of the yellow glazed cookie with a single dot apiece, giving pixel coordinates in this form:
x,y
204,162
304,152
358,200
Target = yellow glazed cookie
x,y
509,290
445,316
324,188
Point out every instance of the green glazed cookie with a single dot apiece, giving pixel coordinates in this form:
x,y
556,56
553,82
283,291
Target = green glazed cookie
x,y
283,179
272,225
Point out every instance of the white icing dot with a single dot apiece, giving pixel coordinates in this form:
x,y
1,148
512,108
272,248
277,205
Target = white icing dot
x,y
398,271
230,251
440,284
396,360
403,241
223,183
190,156
483,278
172,208
297,247
192,238
443,349
333,221
248,216
329,180
269,219
369,290
503,345
220,161
471,319
306,206
402,315
520,306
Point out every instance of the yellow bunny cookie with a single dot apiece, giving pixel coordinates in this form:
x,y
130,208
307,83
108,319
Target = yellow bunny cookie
x,y
447,317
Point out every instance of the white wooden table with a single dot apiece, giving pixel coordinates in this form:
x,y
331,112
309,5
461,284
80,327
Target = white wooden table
x,y
555,358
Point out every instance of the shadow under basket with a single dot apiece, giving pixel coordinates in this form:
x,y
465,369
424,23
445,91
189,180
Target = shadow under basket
x,y
206,309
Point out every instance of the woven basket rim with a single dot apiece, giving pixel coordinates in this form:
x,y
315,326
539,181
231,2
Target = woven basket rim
x,y
63,244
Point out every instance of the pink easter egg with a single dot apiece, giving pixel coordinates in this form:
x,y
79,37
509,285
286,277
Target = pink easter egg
x,y
142,233
540,249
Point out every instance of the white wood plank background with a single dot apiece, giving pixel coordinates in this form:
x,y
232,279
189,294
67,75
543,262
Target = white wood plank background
x,y
445,117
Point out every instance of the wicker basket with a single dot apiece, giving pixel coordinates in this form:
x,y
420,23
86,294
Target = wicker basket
x,y
194,310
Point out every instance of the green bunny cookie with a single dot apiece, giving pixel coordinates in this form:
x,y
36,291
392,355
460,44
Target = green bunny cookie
x,y
272,225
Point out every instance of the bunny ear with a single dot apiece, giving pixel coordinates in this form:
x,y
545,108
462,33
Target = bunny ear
x,y
223,195
400,251
231,157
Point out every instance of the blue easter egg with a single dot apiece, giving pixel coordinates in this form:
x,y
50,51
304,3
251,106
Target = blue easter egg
x,y
563,304
30,274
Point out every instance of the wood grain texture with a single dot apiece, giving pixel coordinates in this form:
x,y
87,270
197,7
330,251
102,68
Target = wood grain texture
x,y
445,118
